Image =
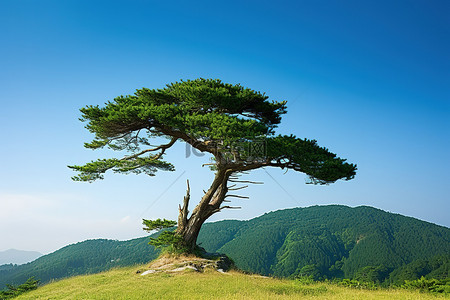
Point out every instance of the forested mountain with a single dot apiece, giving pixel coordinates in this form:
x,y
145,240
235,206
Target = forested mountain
x,y
90,256
333,241
364,243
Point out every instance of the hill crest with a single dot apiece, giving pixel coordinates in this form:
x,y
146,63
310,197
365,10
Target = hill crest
x,y
319,241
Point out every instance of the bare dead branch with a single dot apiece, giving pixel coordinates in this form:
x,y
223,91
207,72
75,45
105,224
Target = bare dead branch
x,y
237,196
223,207
211,164
239,188
246,181
230,207
183,211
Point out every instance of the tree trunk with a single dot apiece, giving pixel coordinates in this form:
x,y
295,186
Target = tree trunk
x,y
189,228
192,230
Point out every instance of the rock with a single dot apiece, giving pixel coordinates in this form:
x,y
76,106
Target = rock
x,y
224,263
148,272
223,272
184,268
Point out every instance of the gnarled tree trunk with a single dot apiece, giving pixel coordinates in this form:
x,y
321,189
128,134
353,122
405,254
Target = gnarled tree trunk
x,y
189,227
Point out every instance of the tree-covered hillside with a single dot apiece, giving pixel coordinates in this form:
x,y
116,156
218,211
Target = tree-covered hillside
x,y
364,243
91,256
334,241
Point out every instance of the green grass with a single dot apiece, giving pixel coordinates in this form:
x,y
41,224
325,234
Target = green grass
x,y
124,283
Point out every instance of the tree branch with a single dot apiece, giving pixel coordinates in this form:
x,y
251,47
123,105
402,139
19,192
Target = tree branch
x,y
183,211
202,146
246,181
239,188
162,147
237,196
211,164
230,207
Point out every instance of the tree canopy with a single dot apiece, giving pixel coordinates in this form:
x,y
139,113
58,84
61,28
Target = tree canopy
x,y
226,120
209,115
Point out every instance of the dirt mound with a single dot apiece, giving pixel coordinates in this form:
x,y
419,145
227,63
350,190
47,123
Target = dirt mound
x,y
169,263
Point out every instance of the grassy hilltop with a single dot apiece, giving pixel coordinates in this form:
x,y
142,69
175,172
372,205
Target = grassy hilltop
x,y
126,283
325,242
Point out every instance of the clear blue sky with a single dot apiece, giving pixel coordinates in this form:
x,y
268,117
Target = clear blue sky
x,y
370,80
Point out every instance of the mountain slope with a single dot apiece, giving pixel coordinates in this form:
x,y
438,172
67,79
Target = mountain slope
x,y
338,237
319,241
91,256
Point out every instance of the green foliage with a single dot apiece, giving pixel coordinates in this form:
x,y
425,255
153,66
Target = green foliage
x,y
304,245
172,243
169,240
221,119
210,115
157,224
372,274
429,285
437,266
309,272
353,283
95,169
305,279
307,156
202,109
14,291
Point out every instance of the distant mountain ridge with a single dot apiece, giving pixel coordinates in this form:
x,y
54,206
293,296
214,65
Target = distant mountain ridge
x,y
331,241
18,257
